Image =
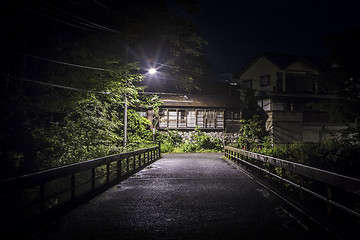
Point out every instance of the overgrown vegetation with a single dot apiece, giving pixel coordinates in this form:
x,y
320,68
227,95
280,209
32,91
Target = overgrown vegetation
x,y
199,141
63,85
339,154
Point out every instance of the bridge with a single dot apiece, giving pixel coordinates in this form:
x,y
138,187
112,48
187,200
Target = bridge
x,y
188,196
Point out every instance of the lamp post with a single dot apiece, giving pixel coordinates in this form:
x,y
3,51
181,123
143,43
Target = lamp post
x,y
150,71
153,71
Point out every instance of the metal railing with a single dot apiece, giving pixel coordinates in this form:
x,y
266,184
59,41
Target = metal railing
x,y
279,169
37,197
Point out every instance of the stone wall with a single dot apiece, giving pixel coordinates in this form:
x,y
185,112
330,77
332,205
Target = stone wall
x,y
225,137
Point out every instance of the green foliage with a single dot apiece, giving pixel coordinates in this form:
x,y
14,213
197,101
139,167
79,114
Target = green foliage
x,y
205,142
167,147
171,141
188,147
65,126
138,128
331,155
253,134
71,109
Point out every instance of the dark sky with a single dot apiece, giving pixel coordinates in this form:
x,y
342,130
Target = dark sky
x,y
239,30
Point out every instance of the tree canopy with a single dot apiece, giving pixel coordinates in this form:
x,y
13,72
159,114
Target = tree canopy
x,y
66,67
343,78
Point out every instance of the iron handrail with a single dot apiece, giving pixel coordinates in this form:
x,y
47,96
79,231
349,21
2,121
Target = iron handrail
x,y
329,178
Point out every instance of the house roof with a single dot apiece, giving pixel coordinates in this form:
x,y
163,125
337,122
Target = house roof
x,y
283,61
198,101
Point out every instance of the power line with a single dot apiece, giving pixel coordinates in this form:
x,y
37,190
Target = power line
x,y
56,85
67,23
104,69
88,23
106,7
59,62
68,64
87,28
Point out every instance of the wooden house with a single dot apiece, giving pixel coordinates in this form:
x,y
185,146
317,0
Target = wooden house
x,y
186,112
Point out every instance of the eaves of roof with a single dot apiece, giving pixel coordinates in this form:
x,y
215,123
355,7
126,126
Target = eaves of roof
x,y
199,101
283,61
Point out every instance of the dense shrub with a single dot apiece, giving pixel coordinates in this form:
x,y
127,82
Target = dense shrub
x,y
331,155
340,154
171,141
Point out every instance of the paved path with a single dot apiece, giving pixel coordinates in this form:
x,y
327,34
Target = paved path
x,y
182,196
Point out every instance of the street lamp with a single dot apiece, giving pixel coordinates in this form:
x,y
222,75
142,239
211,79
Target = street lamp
x,y
151,71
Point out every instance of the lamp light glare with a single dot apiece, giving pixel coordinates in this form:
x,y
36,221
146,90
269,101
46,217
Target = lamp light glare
x,y
152,70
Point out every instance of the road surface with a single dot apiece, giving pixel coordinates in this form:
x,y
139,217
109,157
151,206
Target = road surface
x,y
183,196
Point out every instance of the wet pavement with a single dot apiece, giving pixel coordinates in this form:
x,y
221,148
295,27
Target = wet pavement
x,y
182,196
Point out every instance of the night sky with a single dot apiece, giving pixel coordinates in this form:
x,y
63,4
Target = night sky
x,y
239,30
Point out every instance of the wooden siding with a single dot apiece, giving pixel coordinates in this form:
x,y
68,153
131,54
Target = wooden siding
x,y
171,118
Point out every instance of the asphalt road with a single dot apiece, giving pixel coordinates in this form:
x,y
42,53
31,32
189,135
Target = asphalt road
x,y
183,196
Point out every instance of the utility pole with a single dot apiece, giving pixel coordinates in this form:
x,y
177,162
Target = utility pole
x,y
125,121
126,99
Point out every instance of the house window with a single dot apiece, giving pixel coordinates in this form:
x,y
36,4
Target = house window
x,y
143,114
210,119
200,115
163,117
265,81
220,119
181,118
191,119
233,115
172,119
247,84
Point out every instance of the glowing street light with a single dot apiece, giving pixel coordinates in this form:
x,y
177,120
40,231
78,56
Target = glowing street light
x,y
152,70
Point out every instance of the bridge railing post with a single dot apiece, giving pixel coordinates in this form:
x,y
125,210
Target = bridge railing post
x,y
159,150
328,199
72,186
107,173
42,198
118,166
93,179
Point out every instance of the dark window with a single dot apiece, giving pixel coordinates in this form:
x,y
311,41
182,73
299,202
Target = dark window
x,y
279,82
247,84
233,115
265,81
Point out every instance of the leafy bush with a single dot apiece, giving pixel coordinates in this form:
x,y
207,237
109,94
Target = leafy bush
x,y
167,147
172,142
338,155
331,155
189,147
253,135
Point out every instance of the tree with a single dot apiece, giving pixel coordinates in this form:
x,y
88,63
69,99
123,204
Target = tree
x,y
66,68
343,78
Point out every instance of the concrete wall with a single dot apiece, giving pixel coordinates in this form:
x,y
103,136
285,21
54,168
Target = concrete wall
x,y
285,127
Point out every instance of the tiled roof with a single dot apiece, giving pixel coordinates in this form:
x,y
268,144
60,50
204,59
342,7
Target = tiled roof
x,y
283,61
199,100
